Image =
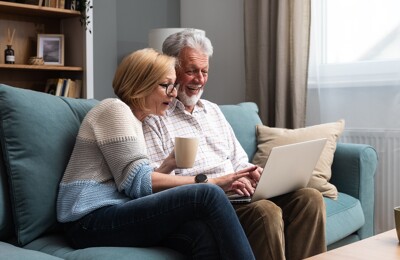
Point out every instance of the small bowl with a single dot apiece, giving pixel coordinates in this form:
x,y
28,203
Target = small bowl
x,y
36,61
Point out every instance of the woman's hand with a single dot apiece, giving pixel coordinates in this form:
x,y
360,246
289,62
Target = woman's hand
x,y
168,165
230,181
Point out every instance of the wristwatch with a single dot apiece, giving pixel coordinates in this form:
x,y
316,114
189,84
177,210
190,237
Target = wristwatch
x,y
200,178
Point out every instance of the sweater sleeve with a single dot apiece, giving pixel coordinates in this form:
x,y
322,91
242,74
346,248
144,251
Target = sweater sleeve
x,y
120,138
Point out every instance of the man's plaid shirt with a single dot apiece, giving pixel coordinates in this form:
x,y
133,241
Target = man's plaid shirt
x,y
219,151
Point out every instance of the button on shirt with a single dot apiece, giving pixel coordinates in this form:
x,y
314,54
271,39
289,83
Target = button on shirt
x,y
219,151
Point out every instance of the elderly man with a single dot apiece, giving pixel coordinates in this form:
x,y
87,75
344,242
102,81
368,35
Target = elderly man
x,y
290,226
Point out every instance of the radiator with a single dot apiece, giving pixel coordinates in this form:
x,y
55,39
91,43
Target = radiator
x,y
387,179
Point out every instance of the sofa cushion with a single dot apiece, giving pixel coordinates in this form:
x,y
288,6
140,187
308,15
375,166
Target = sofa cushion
x,y
11,252
269,137
243,118
37,134
344,216
57,246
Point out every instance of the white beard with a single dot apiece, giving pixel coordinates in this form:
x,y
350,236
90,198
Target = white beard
x,y
189,101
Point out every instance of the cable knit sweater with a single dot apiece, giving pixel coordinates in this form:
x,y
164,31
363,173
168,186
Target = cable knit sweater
x,y
109,163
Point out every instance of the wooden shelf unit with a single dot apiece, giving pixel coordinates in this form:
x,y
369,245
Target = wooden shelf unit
x,y
33,10
30,20
39,67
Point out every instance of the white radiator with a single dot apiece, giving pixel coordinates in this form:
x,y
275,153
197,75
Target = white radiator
x,y
387,179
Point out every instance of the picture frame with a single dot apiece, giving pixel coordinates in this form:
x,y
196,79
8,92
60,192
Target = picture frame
x,y
51,48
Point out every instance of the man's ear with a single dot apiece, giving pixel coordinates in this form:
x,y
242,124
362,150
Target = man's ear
x,y
178,71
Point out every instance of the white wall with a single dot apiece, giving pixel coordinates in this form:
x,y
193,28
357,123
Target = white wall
x,y
223,22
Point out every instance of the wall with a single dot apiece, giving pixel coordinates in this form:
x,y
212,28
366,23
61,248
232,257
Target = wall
x,y
104,47
120,27
135,18
223,22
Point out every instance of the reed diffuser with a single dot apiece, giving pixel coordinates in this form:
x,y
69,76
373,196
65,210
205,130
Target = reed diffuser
x,y
9,57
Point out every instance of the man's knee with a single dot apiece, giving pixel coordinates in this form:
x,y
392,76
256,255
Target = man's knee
x,y
267,208
312,199
262,212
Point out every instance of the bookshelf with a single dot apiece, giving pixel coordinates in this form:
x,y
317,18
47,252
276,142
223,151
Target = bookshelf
x,y
30,20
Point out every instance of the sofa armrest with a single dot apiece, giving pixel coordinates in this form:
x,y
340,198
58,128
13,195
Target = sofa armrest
x,y
353,170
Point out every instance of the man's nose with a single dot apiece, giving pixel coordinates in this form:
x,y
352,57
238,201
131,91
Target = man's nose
x,y
200,78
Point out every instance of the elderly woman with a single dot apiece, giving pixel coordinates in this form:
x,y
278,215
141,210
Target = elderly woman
x,y
109,194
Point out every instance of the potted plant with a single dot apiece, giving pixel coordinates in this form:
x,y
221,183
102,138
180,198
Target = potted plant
x,y
84,7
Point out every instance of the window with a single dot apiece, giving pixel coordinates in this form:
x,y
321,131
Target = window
x,y
355,43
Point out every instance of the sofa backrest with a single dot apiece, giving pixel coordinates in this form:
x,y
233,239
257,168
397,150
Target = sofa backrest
x,y
37,135
243,118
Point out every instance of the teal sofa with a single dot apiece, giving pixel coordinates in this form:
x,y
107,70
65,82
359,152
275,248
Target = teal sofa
x,y
37,134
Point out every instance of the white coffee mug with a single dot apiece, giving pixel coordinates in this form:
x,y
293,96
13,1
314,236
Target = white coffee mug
x,y
186,151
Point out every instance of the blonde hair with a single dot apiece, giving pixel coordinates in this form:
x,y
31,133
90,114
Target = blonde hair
x,y
139,74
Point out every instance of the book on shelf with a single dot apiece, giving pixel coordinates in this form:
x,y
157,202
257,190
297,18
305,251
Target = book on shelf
x,y
51,3
64,87
30,2
54,86
71,89
75,89
61,4
78,88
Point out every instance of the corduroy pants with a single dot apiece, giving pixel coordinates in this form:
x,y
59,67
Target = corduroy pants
x,y
291,226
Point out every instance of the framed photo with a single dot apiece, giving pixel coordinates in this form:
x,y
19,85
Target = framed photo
x,y
51,48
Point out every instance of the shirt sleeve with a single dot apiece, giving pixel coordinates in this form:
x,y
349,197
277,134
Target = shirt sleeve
x,y
238,156
154,137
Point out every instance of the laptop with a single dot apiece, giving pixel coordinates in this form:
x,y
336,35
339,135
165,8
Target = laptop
x,y
288,168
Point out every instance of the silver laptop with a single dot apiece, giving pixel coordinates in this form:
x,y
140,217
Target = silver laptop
x,y
288,168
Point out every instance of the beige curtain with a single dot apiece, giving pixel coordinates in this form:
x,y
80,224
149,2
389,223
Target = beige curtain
x,y
277,36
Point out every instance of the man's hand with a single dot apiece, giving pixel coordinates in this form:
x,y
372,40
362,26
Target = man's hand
x,y
230,181
248,183
256,175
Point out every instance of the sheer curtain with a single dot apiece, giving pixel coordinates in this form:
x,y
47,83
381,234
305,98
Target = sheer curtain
x,y
354,74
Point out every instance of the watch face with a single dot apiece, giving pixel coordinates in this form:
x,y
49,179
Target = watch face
x,y
200,178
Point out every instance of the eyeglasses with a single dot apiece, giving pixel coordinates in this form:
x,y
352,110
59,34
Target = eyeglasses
x,y
169,87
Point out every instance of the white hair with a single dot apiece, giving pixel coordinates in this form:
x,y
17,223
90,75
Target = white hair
x,y
191,38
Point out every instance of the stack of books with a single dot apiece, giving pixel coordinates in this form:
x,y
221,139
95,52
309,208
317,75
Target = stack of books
x,y
64,87
63,4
